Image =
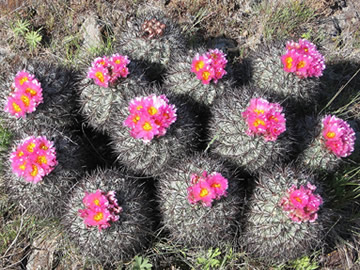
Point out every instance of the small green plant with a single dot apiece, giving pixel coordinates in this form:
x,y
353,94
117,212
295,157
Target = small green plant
x,y
20,27
33,39
304,263
141,263
211,259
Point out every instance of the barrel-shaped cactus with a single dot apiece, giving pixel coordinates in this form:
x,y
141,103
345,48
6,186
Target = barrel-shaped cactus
x,y
268,73
151,37
39,180
58,105
192,217
121,238
195,73
249,139
286,217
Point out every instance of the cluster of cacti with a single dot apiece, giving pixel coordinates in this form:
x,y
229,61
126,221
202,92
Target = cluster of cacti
x,y
124,237
159,131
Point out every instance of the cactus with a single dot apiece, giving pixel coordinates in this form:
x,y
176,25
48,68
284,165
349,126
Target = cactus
x,y
180,80
270,234
198,225
228,128
59,105
43,198
268,73
151,37
97,102
153,157
316,155
126,236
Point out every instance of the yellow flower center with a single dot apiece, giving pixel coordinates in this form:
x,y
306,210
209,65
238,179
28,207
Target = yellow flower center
x,y
42,160
16,107
34,171
147,126
216,185
117,61
298,199
301,64
44,147
25,79
259,122
199,65
22,166
100,76
99,216
203,192
30,147
30,91
152,110
97,202
288,62
330,134
259,111
25,100
136,119
306,49
206,75
139,107
20,154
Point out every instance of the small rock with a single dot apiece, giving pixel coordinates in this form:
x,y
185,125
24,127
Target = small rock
x,y
91,33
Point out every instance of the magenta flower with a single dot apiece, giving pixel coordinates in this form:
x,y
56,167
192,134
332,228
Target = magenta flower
x,y
34,158
21,77
15,107
101,61
100,75
301,205
264,118
34,91
100,209
218,183
201,191
303,59
209,66
149,117
118,62
338,136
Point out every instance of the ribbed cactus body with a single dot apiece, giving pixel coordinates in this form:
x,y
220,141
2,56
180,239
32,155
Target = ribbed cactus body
x,y
197,225
228,127
268,73
180,80
125,237
270,235
155,156
59,105
97,103
158,48
45,197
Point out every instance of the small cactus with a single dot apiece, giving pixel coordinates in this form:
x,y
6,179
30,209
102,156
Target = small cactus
x,y
43,198
58,108
199,224
180,79
276,235
152,38
268,73
123,238
327,141
232,139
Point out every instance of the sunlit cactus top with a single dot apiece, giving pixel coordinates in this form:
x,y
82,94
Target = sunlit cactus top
x,y
301,204
26,95
105,70
100,209
206,188
265,119
303,59
34,158
338,136
149,117
209,66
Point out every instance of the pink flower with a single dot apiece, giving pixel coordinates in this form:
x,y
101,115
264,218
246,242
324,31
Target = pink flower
x,y
100,74
218,58
95,200
301,205
264,118
206,74
21,77
34,91
97,217
118,63
101,61
34,173
338,136
150,116
218,183
15,107
199,62
303,59
201,191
